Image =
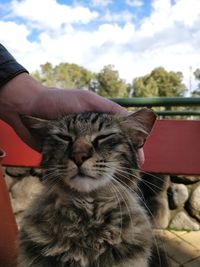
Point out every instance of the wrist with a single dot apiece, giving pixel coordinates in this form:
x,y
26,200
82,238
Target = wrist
x,y
21,92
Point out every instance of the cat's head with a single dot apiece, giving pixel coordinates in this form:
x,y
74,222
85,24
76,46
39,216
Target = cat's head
x,y
89,150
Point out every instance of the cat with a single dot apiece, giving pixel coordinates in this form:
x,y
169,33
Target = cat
x,y
89,213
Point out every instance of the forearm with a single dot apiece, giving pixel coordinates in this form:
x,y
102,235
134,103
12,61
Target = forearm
x,y
20,92
17,88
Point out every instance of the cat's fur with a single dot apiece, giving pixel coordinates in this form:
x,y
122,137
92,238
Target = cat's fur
x,y
89,214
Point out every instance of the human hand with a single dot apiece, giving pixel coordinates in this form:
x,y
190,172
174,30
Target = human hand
x,y
24,96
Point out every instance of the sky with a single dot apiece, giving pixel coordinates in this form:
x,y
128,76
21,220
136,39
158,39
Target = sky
x,y
135,36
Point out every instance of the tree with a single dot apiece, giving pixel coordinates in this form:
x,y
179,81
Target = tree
x,y
106,83
196,92
64,75
45,75
197,74
110,84
159,83
145,86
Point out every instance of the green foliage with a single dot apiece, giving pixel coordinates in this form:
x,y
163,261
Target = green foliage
x,y
196,92
106,83
159,83
45,75
197,74
110,84
64,75
145,86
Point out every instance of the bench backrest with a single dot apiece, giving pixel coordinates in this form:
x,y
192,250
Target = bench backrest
x,y
172,148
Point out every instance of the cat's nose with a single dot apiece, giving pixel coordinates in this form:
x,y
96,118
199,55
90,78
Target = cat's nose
x,y
80,157
81,151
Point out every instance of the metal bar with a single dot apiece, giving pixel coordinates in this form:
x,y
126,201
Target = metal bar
x,y
157,101
178,113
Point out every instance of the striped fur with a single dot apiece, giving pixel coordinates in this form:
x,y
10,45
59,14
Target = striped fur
x,y
88,214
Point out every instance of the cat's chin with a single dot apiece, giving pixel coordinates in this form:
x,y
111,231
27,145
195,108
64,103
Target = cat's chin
x,y
84,183
82,176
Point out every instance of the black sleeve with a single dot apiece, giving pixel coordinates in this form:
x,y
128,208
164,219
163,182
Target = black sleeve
x,y
9,67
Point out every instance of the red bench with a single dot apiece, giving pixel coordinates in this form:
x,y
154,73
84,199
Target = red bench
x,y
172,148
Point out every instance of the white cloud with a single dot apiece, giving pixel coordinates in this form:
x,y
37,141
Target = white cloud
x,y
102,3
15,36
50,14
135,3
124,16
187,12
164,38
114,34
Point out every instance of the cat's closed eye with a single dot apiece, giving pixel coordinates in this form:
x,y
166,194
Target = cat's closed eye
x,y
63,137
102,138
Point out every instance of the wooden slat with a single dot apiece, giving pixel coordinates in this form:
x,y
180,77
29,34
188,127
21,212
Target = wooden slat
x,y
174,148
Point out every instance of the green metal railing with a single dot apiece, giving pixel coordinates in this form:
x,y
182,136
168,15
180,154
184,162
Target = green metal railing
x,y
164,102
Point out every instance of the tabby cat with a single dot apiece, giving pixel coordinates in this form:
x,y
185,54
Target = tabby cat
x,y
88,214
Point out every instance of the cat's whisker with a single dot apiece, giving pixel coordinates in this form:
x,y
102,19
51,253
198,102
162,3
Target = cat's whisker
x,y
131,168
57,169
147,183
51,180
52,184
53,166
114,180
120,207
135,176
142,171
50,176
124,186
64,170
51,173
151,214
130,188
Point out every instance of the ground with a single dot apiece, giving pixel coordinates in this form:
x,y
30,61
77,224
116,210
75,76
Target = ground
x,y
183,248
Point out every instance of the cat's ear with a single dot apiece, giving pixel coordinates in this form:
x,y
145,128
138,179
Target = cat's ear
x,y
36,125
140,125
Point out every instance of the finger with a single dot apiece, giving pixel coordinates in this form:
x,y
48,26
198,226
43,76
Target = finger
x,y
100,104
141,156
54,103
10,116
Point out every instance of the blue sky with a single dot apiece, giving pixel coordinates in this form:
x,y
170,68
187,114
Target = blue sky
x,y
136,10
133,35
